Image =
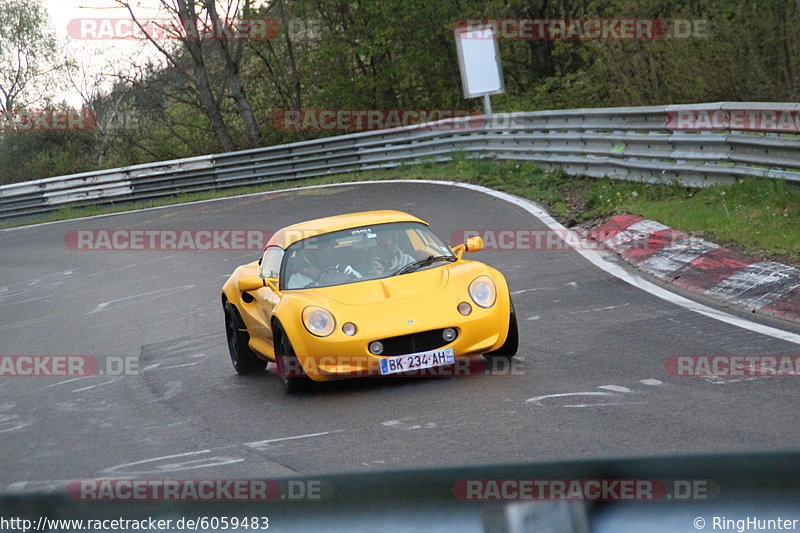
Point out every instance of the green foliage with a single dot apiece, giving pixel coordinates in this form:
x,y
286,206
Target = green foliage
x,y
760,215
27,53
30,155
400,54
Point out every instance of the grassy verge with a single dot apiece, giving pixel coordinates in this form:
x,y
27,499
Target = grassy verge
x,y
759,217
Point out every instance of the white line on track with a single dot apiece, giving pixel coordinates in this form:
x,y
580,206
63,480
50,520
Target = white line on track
x,y
178,366
66,381
187,464
538,399
261,443
200,458
651,382
615,388
161,292
602,404
112,380
521,291
599,258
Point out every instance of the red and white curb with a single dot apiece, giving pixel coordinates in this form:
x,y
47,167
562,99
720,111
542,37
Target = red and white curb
x,y
676,257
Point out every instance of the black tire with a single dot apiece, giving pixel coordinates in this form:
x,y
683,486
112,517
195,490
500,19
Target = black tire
x,y
509,348
283,348
244,360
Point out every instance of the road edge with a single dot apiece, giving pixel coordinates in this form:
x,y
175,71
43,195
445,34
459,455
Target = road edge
x,y
701,266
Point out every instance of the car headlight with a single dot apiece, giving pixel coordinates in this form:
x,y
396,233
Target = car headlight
x,y
318,321
482,291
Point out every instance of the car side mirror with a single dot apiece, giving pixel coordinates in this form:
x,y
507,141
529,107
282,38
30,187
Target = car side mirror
x,y
272,283
473,244
253,283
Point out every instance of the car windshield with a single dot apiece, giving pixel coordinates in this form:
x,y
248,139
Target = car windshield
x,y
361,254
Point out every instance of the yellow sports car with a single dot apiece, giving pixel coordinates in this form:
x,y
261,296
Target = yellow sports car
x,y
365,294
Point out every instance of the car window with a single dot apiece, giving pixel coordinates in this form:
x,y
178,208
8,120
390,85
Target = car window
x,y
271,262
359,254
426,243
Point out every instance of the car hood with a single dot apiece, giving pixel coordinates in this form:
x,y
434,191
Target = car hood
x,y
404,286
412,285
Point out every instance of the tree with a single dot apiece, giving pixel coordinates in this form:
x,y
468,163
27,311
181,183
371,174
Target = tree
x,y
197,28
183,28
27,55
230,54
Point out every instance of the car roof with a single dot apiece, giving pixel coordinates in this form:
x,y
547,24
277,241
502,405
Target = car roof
x,y
287,236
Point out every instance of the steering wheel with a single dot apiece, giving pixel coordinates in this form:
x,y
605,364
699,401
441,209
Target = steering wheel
x,y
334,268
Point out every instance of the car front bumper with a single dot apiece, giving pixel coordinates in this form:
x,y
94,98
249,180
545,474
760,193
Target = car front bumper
x,y
339,356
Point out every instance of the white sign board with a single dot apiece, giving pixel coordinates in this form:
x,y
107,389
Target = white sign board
x,y
479,60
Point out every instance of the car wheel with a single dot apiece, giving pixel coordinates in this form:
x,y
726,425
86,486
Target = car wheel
x,y
284,349
509,348
244,360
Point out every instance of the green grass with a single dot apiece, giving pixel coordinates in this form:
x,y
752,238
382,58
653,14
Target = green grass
x,y
760,217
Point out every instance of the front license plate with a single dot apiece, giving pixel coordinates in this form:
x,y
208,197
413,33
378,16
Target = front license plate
x,y
416,361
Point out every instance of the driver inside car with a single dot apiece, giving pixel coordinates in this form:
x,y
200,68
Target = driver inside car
x,y
367,256
316,265
306,275
388,256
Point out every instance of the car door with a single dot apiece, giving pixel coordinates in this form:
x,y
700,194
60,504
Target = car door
x,y
257,306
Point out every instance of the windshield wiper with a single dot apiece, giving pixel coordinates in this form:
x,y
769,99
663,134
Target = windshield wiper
x,y
431,259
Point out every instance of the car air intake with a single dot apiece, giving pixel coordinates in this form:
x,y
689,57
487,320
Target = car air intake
x,y
414,342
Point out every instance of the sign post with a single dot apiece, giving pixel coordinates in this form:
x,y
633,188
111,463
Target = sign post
x,y
479,61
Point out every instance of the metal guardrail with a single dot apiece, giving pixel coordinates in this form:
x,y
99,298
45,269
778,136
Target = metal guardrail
x,y
638,143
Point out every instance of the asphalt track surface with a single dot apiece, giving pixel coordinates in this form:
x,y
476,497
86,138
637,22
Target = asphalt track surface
x,y
591,361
